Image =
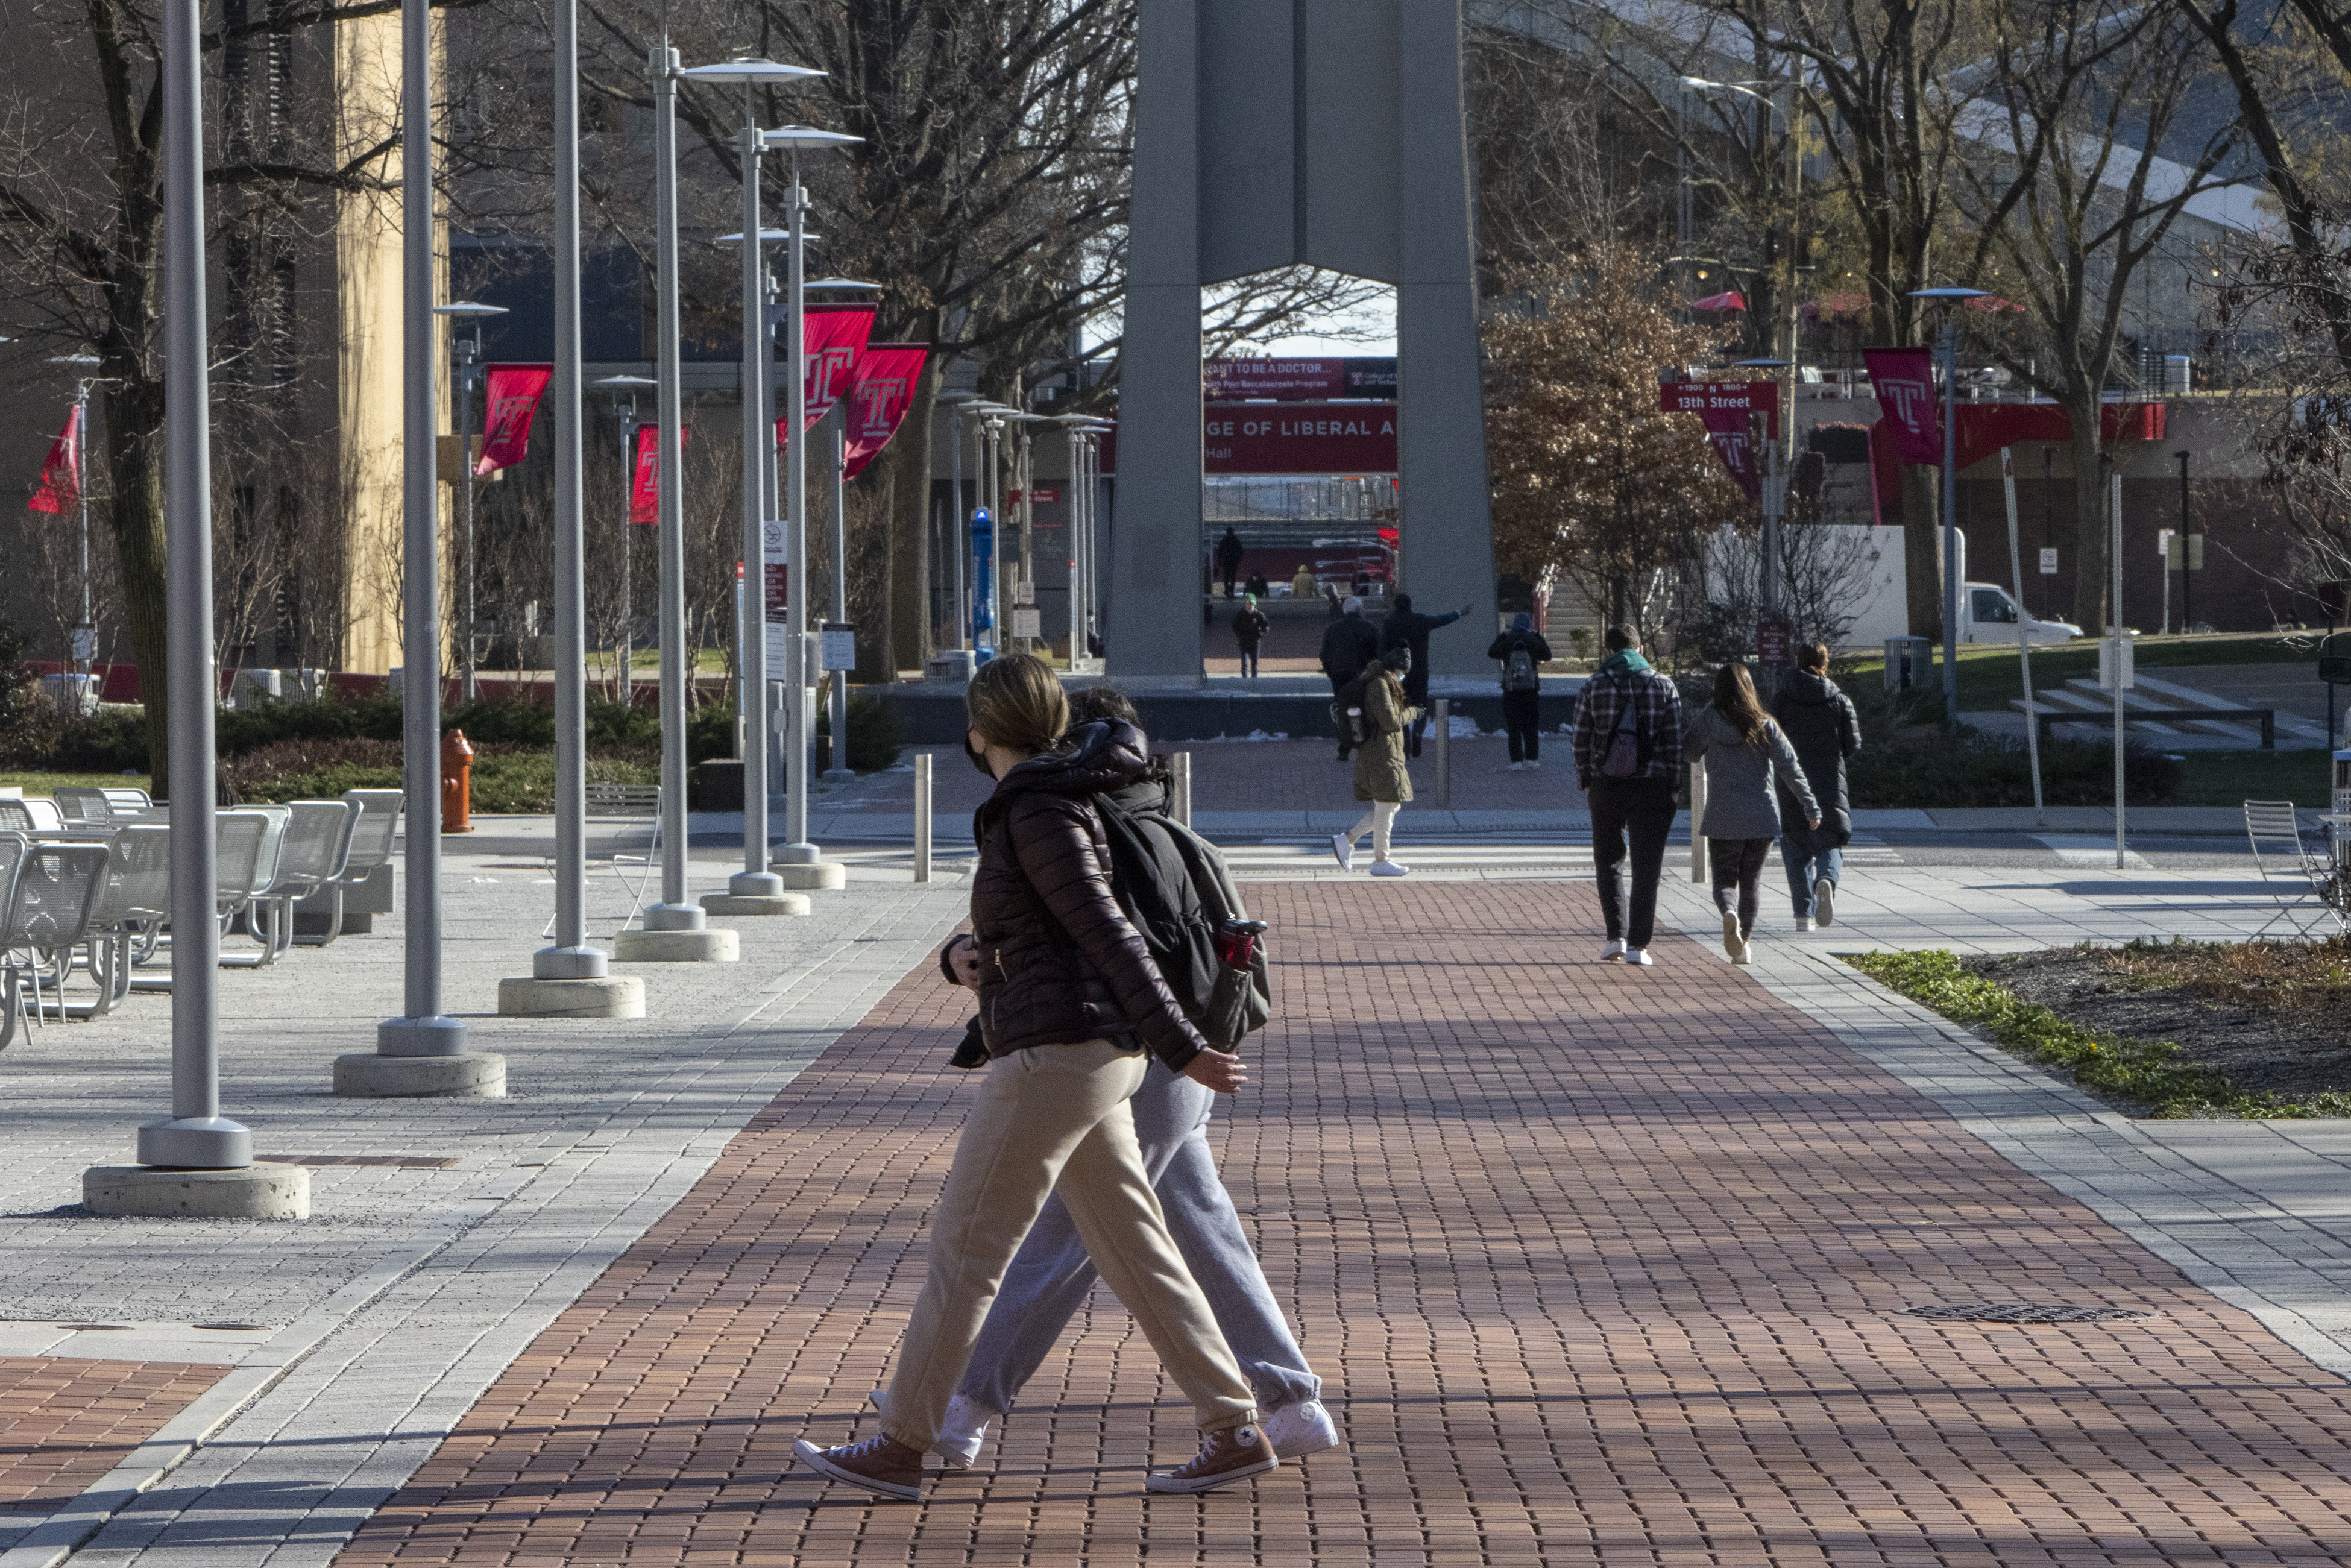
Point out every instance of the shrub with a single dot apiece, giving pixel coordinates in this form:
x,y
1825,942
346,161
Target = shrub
x,y
26,721
876,733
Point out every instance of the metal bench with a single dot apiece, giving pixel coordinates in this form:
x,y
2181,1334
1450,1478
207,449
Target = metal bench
x,y
2294,877
313,852
57,892
375,823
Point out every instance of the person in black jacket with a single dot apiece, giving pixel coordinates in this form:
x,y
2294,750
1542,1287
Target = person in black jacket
x,y
1349,643
1230,550
1522,688
1821,724
1407,628
1070,1003
1250,628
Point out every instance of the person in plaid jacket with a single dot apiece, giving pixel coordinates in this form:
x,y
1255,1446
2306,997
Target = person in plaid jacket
x,y
1628,693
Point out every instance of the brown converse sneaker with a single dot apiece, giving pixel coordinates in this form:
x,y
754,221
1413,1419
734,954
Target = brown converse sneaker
x,y
880,1464
1232,1455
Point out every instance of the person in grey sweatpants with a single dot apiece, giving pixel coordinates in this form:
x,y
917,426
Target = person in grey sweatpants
x,y
1744,753
1050,1276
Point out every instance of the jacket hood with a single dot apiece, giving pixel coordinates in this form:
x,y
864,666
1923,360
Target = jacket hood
x,y
1103,757
1808,687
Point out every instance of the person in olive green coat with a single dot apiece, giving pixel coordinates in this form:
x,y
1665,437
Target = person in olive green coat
x,y
1381,775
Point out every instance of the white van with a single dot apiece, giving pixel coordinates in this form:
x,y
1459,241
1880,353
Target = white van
x,y
1988,614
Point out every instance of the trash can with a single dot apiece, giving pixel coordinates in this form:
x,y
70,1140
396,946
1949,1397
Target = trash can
x,y
1909,662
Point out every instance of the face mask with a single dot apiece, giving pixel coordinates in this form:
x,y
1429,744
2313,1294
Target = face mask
x,y
979,759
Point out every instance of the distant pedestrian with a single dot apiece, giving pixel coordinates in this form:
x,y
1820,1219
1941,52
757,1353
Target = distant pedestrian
x,y
1522,653
1255,586
1824,729
1349,643
1301,585
1250,628
1629,752
1746,753
1230,550
1406,628
1050,1277
1069,998
1381,777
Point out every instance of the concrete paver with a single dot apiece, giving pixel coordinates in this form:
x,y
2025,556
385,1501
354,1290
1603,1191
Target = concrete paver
x,y
65,1422
1601,1266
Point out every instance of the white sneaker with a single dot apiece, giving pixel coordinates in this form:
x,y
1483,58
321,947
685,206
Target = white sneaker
x,y
1638,956
1390,868
1300,1429
1533,763
1343,849
1744,957
957,1444
1733,943
1824,901
1613,953
1803,922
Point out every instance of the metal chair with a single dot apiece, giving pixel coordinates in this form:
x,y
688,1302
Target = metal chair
x,y
46,818
14,816
250,840
2293,875
375,821
85,803
57,893
314,851
130,919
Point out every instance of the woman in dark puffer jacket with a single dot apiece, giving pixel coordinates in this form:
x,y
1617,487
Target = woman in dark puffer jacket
x,y
1068,1002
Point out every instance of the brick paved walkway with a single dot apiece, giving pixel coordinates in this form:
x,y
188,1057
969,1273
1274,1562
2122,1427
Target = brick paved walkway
x,y
65,1422
1601,1265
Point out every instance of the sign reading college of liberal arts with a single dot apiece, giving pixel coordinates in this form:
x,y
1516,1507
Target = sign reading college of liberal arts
x,y
1302,438
644,492
1905,380
1301,380
1723,405
881,390
832,337
514,394
60,489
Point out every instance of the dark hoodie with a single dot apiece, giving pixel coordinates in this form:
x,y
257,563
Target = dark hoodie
x,y
1059,963
1821,724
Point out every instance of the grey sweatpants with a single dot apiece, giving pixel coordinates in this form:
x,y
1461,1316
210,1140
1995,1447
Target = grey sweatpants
x,y
1051,1274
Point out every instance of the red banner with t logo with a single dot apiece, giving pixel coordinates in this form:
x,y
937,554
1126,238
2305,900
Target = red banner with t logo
x,y
515,391
833,335
1905,380
879,395
60,490
644,491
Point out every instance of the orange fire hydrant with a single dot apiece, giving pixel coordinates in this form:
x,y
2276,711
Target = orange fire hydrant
x,y
456,783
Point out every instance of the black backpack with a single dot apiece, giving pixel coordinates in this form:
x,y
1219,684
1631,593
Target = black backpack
x,y
1174,887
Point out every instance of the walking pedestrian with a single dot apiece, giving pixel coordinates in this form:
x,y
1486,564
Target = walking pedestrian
x,y
1230,550
1406,628
1051,1275
1522,653
1381,777
1628,750
1068,999
1250,628
1349,643
1746,753
1301,584
1822,727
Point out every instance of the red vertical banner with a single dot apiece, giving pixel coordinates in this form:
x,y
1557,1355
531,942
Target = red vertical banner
x,y
60,490
834,335
644,490
1904,382
880,392
1736,448
514,394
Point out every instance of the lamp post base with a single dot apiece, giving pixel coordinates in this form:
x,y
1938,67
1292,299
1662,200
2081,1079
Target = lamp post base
x,y
197,1143
257,1192
815,875
568,964
421,1037
652,947
606,997
738,903
372,1077
673,918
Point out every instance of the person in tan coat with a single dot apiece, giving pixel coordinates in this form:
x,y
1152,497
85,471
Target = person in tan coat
x,y
1382,777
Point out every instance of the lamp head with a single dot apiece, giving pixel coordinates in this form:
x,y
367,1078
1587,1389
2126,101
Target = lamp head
x,y
841,285
806,137
68,359
751,68
624,383
767,236
1949,296
468,310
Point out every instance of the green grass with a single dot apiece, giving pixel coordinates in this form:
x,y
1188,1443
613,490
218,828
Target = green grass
x,y
1989,677
500,785
47,783
2147,1072
2234,778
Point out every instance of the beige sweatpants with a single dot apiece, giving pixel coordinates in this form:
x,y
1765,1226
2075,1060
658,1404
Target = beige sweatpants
x,y
1376,822
1056,1113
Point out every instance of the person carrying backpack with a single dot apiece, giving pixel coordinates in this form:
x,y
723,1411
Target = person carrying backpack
x,y
1822,727
1629,752
1051,1275
1375,708
1070,1000
1521,652
1349,643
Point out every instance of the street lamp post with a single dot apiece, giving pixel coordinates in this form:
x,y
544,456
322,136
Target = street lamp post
x,y
1948,301
756,889
1775,498
802,865
85,632
469,360
956,551
624,391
